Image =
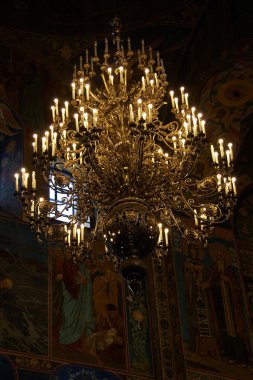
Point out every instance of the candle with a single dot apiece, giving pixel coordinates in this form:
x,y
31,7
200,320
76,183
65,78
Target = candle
x,y
43,145
23,176
182,94
63,112
95,49
121,74
67,109
35,136
176,104
166,236
230,145
95,117
74,231
78,236
26,180
56,107
87,56
160,239
143,84
221,147
131,113
139,101
87,88
233,185
150,106
53,113
172,98
16,175
33,180
212,153
82,232
73,90
76,121
228,157
46,136
186,96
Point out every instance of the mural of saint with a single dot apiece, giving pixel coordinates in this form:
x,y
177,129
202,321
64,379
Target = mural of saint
x,y
88,311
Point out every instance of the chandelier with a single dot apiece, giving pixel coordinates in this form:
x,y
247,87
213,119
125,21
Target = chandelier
x,y
110,157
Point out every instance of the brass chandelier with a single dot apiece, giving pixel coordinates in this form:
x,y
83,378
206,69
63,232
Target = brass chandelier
x,y
108,154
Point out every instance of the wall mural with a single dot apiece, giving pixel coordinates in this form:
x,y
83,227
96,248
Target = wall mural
x,y
139,340
213,316
23,290
11,155
95,320
226,100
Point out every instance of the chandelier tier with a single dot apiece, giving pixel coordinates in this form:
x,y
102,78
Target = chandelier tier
x,y
108,152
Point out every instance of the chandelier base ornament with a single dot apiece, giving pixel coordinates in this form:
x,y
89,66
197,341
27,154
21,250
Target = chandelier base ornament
x,y
107,152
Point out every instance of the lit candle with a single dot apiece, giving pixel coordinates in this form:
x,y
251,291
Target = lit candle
x,y
23,176
166,236
35,146
26,180
221,147
87,88
67,109
186,97
176,104
76,121
33,180
139,101
43,145
46,136
73,90
160,239
16,175
85,115
56,107
143,84
228,157
182,94
131,113
212,153
63,111
78,236
172,98
121,74
82,232
233,185
216,158
53,113
230,145
150,106
95,117
219,182
52,132
74,230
